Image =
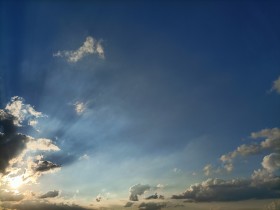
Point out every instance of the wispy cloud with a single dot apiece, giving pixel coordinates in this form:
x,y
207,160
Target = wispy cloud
x,y
90,46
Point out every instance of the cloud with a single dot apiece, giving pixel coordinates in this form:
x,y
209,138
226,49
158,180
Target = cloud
x,y
42,144
22,112
80,107
276,85
90,46
271,162
154,196
15,166
50,194
151,206
272,138
232,190
207,169
6,195
10,147
128,204
44,166
42,205
136,190
271,143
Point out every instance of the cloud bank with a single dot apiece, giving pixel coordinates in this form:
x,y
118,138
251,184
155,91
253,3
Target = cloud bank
x,y
232,190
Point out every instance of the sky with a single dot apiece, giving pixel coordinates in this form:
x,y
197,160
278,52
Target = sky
x,y
139,104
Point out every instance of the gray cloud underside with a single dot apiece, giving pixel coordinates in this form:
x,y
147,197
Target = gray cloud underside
x,y
50,194
35,205
43,166
151,206
232,190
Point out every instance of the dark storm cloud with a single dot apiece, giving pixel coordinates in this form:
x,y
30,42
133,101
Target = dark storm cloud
x,y
10,196
45,165
232,190
50,194
136,190
151,206
35,205
11,143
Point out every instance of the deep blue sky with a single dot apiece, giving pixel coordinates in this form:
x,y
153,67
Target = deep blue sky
x,y
183,81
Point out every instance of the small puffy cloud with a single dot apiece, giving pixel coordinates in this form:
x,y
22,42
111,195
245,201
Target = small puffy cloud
x,y
6,195
50,194
276,85
136,190
80,107
90,46
271,162
231,190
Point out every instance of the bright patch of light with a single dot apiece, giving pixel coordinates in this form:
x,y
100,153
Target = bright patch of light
x,y
15,182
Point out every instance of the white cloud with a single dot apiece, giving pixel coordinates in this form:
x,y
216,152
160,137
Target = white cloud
x,y
276,85
271,162
80,107
41,144
22,112
90,46
136,190
270,143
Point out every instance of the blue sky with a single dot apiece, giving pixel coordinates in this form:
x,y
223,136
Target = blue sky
x,y
180,84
